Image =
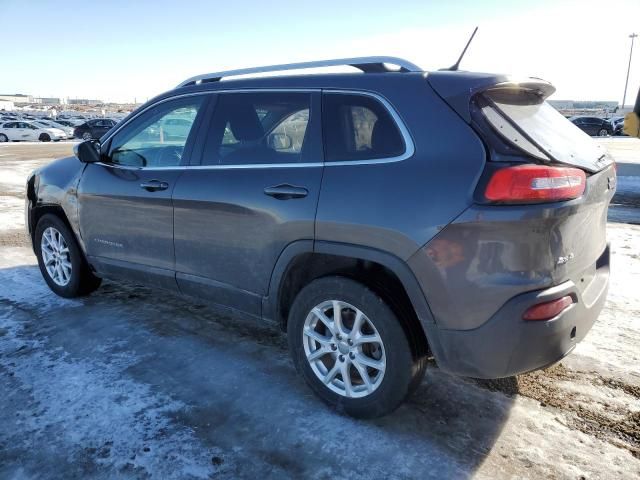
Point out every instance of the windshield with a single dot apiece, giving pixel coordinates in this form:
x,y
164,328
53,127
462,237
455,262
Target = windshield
x,y
551,132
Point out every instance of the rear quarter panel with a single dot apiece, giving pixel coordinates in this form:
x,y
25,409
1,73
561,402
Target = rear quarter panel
x,y
397,207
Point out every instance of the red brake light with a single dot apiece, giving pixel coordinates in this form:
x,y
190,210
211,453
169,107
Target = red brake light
x,y
535,183
547,310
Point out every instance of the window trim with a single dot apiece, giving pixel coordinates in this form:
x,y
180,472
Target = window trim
x,y
406,135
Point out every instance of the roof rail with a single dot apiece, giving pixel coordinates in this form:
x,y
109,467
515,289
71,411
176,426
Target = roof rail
x,y
366,64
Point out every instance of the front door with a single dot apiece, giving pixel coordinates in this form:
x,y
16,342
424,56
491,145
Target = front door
x,y
124,202
254,192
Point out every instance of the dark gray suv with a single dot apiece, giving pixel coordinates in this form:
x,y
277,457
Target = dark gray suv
x,y
381,218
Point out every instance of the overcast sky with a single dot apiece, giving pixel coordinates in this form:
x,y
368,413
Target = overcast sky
x,y
121,50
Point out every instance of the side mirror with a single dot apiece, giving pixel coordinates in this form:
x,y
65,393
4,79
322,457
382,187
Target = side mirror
x,y
87,152
279,141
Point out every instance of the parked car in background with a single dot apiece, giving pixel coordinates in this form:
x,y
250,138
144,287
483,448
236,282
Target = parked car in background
x,y
294,199
594,126
14,131
51,124
618,125
69,123
93,129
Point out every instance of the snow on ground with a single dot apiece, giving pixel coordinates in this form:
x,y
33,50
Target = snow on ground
x,y
134,383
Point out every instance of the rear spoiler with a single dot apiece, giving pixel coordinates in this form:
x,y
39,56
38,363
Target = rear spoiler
x,y
457,88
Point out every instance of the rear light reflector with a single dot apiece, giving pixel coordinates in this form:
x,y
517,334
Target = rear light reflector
x,y
535,183
547,310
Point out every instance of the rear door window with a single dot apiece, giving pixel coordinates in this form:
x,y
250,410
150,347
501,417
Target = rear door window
x,y
358,127
257,128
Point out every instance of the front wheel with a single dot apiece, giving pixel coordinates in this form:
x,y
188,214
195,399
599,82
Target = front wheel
x,y
86,136
351,348
61,261
603,132
44,137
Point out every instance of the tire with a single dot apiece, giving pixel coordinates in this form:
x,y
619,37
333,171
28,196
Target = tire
x,y
387,387
603,132
44,137
69,282
3,138
86,136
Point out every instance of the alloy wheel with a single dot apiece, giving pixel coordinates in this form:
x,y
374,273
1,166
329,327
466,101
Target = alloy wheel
x,y
344,349
56,256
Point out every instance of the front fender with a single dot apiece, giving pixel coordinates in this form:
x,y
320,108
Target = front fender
x,y
54,188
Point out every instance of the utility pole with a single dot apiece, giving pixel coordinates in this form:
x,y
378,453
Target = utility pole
x,y
624,97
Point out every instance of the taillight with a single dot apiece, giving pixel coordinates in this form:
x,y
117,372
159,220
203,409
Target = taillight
x,y
548,310
535,183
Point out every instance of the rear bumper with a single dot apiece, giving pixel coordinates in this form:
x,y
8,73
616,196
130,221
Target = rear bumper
x,y
507,345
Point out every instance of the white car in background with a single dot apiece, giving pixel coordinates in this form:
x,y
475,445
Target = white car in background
x,y
21,130
52,124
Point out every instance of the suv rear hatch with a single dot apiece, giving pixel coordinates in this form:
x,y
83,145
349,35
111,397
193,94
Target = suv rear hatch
x,y
548,227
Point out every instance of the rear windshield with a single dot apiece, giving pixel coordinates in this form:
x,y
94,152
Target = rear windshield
x,y
556,136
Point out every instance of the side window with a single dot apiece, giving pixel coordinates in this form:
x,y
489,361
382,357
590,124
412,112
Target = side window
x,y
158,137
358,127
258,128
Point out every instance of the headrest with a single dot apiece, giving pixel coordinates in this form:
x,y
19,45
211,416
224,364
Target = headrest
x,y
244,122
384,137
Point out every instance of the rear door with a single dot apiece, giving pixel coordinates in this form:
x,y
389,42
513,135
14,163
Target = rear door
x,y
254,192
124,203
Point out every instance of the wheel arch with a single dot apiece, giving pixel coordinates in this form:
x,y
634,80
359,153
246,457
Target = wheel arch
x,y
304,261
39,211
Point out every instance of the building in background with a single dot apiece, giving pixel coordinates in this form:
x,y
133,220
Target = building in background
x,y
7,106
17,98
83,101
586,107
48,100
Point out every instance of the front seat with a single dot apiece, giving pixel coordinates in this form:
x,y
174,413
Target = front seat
x,y
246,127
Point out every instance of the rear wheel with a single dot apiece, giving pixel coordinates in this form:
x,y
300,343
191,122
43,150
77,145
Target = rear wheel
x,y
351,348
3,138
44,137
61,261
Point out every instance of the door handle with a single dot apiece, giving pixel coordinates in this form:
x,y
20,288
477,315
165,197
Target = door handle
x,y
285,191
154,185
